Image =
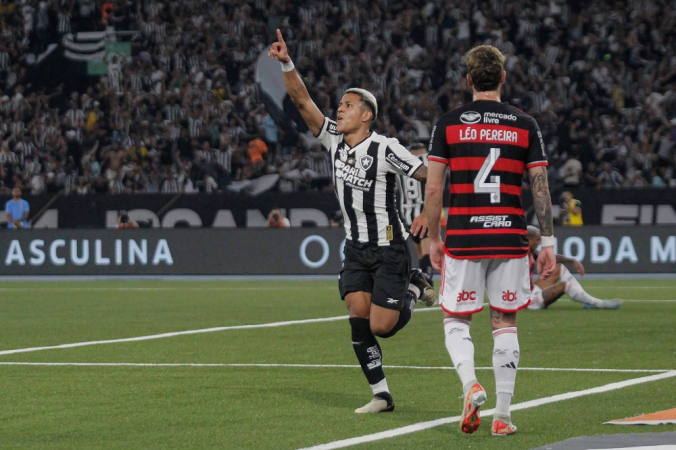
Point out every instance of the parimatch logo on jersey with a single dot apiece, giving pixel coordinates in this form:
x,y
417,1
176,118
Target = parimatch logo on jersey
x,y
351,176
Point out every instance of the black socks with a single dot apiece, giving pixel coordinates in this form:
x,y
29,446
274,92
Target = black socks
x,y
367,350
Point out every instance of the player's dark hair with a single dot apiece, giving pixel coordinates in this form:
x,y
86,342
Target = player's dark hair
x,y
485,65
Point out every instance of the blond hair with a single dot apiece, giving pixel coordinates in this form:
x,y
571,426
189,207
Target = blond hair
x,y
367,99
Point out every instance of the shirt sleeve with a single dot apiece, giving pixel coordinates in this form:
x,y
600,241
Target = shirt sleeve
x,y
536,148
328,133
7,209
26,206
401,160
438,151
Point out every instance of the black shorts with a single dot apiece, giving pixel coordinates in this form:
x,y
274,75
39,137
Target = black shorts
x,y
381,270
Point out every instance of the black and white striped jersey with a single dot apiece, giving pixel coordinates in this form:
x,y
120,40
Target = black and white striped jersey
x,y
365,183
411,196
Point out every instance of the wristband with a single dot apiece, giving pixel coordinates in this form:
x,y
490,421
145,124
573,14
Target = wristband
x,y
547,241
287,67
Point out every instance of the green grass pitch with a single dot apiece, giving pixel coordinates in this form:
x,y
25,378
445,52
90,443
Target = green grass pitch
x,y
212,404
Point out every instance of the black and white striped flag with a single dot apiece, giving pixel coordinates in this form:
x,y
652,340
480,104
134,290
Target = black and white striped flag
x,y
88,46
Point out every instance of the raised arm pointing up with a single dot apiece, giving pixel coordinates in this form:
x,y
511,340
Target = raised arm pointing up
x,y
295,87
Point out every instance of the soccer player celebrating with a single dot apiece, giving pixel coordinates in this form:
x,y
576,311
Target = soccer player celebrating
x,y
376,282
487,145
411,203
545,292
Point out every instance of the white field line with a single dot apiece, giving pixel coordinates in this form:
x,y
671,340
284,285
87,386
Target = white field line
x,y
313,366
523,405
653,300
228,288
172,334
621,286
183,333
633,300
159,289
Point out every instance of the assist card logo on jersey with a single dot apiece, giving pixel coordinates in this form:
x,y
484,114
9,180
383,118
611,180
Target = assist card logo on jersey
x,y
470,117
365,162
492,221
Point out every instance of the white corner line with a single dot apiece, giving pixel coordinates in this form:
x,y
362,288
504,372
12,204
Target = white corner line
x,y
183,333
523,405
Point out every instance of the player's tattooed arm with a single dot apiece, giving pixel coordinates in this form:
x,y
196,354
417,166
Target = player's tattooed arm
x,y
298,90
542,200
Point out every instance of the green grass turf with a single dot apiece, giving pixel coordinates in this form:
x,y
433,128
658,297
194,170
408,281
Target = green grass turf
x,y
104,407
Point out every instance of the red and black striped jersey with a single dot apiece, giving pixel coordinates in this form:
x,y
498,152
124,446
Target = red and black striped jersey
x,y
487,146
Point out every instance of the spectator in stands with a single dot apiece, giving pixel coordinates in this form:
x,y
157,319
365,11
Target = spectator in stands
x,y
123,221
636,179
600,78
277,220
591,176
610,177
257,151
17,210
572,171
571,210
271,133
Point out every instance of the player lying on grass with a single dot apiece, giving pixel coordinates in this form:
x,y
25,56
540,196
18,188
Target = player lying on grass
x,y
546,292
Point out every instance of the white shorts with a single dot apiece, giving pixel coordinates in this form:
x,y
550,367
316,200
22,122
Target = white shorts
x,y
464,281
536,300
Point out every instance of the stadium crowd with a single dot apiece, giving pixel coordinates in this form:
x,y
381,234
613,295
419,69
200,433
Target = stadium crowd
x,y
186,113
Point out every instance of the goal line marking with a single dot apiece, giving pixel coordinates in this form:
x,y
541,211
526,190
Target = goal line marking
x,y
519,406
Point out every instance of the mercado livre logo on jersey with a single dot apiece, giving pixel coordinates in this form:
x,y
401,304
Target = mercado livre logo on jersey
x,y
351,176
493,117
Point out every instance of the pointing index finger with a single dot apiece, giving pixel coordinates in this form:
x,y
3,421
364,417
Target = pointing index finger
x,y
279,36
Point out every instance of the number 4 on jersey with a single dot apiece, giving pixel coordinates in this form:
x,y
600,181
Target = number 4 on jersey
x,y
481,186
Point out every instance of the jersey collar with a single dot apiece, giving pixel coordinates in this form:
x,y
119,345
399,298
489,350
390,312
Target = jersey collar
x,y
352,149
